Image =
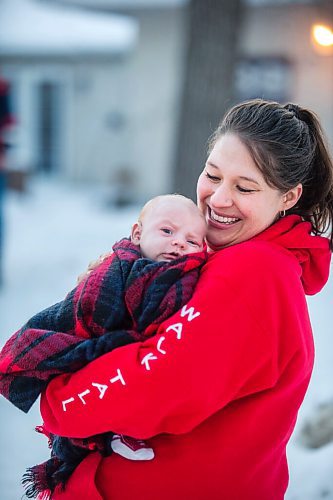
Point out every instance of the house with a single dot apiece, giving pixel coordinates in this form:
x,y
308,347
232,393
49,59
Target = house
x,y
114,116
61,63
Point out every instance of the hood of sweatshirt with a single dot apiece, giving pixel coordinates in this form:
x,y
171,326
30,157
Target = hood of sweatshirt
x,y
312,252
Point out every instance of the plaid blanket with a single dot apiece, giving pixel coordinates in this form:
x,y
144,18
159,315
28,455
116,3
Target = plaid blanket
x,y
122,301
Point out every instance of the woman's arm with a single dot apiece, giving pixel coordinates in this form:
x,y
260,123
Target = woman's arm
x,y
221,346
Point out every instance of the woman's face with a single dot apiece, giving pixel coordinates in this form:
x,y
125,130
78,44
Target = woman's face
x,y
234,197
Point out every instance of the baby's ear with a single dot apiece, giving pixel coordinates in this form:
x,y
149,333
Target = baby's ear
x,y
136,233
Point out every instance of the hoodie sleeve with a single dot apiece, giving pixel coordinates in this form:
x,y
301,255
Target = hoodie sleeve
x,y
221,346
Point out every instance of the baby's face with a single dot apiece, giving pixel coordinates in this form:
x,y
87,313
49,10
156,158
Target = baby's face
x,y
170,230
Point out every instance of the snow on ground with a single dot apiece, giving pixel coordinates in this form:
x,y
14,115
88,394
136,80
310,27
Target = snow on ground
x,y
52,232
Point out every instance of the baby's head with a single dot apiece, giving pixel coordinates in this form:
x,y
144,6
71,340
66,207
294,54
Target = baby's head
x,y
169,227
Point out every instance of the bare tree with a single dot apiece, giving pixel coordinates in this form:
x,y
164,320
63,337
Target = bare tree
x,y
208,86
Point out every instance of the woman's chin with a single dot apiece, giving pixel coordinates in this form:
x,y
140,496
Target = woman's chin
x,y
215,242
214,246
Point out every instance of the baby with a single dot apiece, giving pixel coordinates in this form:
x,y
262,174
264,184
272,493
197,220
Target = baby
x,y
121,299
169,227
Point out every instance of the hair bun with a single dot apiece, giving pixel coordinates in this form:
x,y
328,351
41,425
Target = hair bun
x,y
294,109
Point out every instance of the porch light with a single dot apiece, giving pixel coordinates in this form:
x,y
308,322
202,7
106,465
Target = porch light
x,y
322,35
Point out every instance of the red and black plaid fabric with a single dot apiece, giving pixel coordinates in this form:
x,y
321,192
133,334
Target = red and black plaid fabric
x,y
123,300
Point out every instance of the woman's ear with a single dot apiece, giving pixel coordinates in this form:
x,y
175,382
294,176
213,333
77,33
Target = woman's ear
x,y
292,196
136,233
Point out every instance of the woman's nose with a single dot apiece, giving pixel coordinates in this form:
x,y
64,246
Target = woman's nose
x,y
222,197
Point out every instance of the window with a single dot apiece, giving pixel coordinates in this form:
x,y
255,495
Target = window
x,y
265,77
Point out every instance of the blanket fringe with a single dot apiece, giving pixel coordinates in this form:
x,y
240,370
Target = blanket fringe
x,y
36,479
33,485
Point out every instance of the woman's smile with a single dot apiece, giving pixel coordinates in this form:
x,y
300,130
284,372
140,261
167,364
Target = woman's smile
x,y
221,219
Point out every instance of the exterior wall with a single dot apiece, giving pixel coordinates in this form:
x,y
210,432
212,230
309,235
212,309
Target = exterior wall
x,y
155,77
286,31
143,90
99,128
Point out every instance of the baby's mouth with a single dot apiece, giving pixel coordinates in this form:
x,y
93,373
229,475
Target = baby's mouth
x,y
171,255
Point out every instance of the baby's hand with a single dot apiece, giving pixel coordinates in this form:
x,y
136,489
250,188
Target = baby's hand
x,y
92,265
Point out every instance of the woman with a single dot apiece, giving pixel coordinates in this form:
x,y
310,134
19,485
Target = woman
x,y
218,389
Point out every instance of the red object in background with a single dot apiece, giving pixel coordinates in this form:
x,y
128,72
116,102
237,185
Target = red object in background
x,y
6,117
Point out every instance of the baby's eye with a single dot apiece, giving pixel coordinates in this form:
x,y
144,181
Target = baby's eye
x,y
166,230
194,243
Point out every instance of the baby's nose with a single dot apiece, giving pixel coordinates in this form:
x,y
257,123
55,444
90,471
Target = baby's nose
x,y
179,243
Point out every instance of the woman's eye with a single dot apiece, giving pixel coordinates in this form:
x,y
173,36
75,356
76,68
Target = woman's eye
x,y
244,190
166,230
212,177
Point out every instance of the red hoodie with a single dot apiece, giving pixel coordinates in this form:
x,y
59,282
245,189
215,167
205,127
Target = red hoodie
x,y
217,390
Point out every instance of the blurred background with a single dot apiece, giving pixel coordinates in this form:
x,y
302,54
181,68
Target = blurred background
x,y
105,103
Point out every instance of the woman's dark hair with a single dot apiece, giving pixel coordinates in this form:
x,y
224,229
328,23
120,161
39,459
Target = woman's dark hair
x,y
288,146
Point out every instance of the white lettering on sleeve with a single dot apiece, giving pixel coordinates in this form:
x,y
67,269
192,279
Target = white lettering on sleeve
x,y
82,394
64,403
162,351
145,360
190,312
118,377
178,328
101,387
